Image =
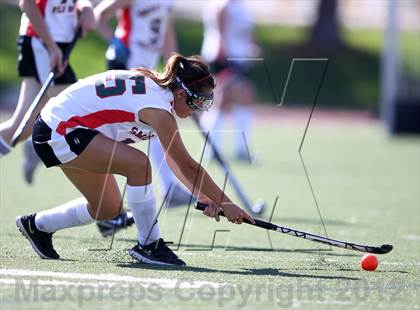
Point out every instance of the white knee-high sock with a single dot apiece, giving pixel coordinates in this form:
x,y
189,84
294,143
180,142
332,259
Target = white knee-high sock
x,y
166,176
141,200
242,118
71,214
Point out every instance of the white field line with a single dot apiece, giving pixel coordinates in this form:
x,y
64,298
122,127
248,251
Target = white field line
x,y
163,282
14,281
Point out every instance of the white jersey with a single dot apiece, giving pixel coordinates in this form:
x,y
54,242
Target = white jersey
x,y
108,102
142,28
60,17
237,33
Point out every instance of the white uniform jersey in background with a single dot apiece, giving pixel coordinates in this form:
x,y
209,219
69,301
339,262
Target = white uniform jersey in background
x,y
60,17
237,36
142,28
109,103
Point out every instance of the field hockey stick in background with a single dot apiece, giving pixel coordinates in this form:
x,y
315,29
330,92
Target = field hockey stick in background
x,y
24,123
259,206
383,249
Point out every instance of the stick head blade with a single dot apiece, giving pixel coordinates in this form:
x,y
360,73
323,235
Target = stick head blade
x,y
386,248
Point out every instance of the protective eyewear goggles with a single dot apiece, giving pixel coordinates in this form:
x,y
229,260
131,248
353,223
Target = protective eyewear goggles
x,y
195,101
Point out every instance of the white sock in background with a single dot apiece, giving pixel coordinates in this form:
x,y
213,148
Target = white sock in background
x,y
242,118
164,173
71,214
141,200
4,147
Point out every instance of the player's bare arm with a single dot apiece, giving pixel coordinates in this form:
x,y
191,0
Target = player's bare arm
x,y
86,17
104,12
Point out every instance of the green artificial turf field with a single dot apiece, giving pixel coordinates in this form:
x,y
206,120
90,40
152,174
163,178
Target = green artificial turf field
x,y
367,187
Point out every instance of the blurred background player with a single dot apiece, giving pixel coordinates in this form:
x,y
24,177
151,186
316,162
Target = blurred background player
x,y
46,29
228,46
144,32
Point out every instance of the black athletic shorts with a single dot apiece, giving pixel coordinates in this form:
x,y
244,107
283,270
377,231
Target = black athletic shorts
x,y
55,149
33,61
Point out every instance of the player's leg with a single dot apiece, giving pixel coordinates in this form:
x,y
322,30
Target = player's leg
x,y
176,194
104,156
242,114
116,59
31,160
29,51
124,160
101,199
214,120
28,91
117,56
89,172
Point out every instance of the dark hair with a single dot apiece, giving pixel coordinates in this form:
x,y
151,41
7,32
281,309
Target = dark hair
x,y
192,70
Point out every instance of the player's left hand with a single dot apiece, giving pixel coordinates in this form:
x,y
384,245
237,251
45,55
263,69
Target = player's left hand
x,y
211,210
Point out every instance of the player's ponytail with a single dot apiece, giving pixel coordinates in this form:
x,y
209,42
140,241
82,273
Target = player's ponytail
x,y
192,70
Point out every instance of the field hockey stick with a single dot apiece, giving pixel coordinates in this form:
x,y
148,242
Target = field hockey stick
x,y
259,206
383,249
23,124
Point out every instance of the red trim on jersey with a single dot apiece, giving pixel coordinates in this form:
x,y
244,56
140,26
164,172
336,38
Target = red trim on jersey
x,y
41,4
124,26
95,120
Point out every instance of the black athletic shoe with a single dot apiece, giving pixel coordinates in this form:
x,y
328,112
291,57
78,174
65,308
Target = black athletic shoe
x,y
41,241
121,221
157,253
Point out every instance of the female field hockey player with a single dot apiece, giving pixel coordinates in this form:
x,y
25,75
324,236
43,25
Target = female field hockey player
x,y
85,131
47,27
144,33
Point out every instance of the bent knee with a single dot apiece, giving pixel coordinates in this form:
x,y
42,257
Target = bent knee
x,y
139,172
105,211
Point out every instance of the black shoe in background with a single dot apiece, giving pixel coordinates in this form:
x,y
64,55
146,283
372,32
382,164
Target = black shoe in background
x,y
121,221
